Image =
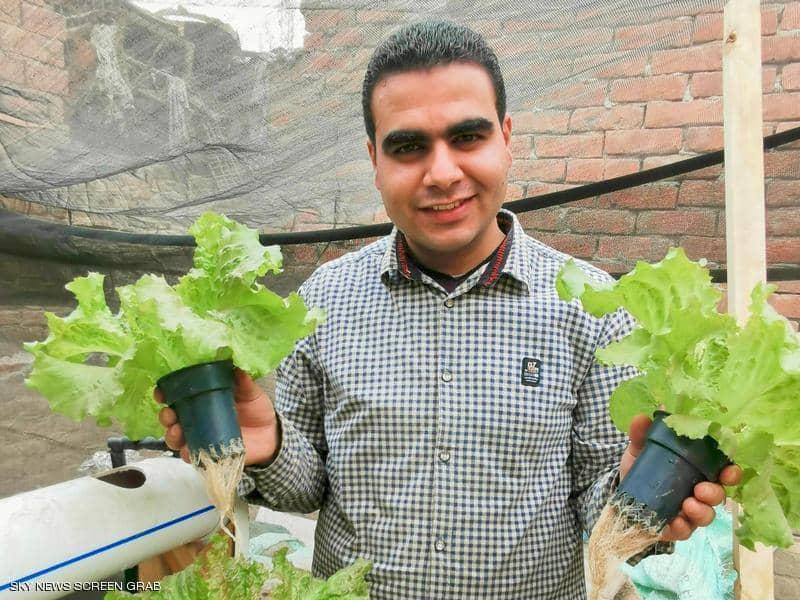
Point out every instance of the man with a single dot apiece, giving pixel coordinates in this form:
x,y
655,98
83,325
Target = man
x,y
448,420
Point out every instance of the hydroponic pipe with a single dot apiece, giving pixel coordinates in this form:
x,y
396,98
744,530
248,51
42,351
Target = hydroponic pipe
x,y
60,538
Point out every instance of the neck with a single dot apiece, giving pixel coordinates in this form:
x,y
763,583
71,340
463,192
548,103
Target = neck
x,y
461,262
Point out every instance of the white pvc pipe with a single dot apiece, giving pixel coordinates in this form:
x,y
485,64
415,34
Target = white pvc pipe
x,y
56,539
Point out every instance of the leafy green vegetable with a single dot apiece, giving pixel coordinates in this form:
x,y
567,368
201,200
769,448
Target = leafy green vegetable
x,y
296,584
740,385
217,576
104,365
213,576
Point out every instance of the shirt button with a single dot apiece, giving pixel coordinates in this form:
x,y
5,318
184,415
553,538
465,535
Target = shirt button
x,y
447,375
449,303
444,456
439,545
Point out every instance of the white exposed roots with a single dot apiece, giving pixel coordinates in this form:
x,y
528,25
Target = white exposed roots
x,y
619,534
221,471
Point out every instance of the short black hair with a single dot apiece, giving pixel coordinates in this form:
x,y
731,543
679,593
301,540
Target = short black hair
x,y
426,44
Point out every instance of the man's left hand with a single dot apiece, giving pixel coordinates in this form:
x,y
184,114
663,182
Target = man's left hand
x,y
696,511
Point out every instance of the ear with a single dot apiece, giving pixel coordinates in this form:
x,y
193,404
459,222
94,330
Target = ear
x,y
374,158
506,128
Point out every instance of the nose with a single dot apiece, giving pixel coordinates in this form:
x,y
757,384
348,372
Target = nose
x,y
443,169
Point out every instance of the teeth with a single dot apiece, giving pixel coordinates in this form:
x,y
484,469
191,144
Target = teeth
x,y
450,206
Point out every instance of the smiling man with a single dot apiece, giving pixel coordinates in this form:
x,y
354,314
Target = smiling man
x,y
448,420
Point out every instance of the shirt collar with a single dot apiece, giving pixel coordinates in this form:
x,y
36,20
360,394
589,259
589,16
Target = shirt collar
x,y
509,259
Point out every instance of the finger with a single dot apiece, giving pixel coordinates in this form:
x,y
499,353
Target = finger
x,y
698,513
167,417
638,434
246,389
678,530
731,475
709,493
185,454
158,395
174,437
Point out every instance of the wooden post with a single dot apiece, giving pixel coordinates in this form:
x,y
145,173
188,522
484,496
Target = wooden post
x,y
744,212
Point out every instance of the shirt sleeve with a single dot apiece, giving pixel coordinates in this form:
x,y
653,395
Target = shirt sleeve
x,y
296,480
597,445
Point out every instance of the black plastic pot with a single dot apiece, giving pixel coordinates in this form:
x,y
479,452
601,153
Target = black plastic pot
x,y
202,396
667,470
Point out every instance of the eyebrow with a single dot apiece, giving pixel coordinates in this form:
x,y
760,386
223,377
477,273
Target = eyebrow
x,y
405,136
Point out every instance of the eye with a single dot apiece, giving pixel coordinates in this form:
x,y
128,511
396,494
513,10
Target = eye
x,y
407,148
466,138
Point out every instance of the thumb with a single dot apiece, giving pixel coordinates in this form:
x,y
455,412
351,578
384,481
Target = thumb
x,y
246,389
637,433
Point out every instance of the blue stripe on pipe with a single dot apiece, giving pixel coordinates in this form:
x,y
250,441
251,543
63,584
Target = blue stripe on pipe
x,y
86,555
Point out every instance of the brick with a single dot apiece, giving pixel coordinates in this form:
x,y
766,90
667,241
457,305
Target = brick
x,y
769,19
45,22
537,169
710,84
326,20
676,222
701,193
545,219
581,146
313,40
687,60
534,23
600,221
711,248
653,196
544,121
581,246
790,77
707,28
780,49
703,139
521,146
789,306
585,170
782,107
783,193
575,95
573,37
10,11
783,164
643,141
632,248
597,118
791,17
611,66
539,188
12,68
617,167
46,78
380,16
677,114
660,87
785,251
664,34
783,222
42,49
347,38
514,192
652,162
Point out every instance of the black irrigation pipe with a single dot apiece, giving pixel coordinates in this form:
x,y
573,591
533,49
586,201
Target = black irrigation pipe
x,y
62,232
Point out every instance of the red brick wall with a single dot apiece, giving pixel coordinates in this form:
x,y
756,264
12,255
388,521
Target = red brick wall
x,y
652,109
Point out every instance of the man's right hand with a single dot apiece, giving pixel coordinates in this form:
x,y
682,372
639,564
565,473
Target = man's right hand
x,y
261,430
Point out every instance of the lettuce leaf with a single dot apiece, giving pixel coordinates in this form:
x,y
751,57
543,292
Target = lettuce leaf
x,y
738,384
215,575
104,365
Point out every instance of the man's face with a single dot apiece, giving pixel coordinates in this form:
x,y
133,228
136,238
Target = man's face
x,y
441,158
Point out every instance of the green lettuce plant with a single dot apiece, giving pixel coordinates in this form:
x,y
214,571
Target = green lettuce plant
x,y
738,384
215,575
105,365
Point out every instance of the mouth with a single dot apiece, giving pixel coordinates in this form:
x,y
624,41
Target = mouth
x,y
455,204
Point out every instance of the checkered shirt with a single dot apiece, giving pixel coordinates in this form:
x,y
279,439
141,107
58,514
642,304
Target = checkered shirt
x,y
460,442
